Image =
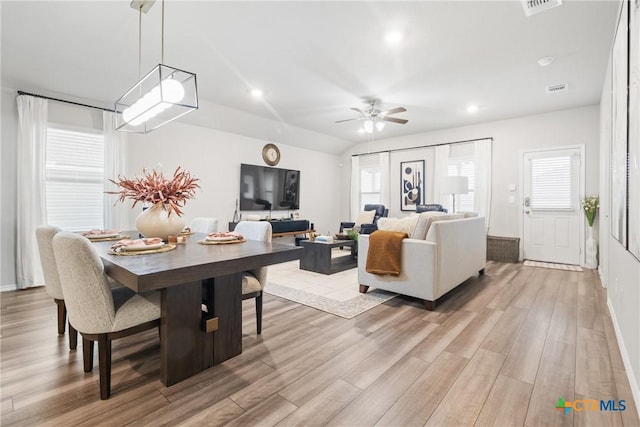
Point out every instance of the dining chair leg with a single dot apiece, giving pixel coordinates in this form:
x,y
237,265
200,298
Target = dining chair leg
x,y
259,313
104,354
87,354
62,315
73,338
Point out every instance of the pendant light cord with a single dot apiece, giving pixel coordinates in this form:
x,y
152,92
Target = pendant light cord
x,y
162,37
139,40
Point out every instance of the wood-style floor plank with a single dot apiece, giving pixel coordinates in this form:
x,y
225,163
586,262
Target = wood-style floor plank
x,y
498,350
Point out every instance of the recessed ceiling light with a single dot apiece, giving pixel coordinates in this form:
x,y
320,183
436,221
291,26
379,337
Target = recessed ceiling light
x,y
257,93
393,36
472,109
547,60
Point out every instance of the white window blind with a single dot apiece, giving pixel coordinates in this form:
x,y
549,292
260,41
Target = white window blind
x,y
464,202
74,179
370,181
552,183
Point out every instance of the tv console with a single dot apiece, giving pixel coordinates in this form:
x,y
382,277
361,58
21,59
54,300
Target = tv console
x,y
284,227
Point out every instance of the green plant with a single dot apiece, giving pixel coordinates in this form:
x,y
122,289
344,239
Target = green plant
x,y
590,205
353,234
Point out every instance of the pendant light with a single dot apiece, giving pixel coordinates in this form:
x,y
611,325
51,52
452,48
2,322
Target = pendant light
x,y
161,96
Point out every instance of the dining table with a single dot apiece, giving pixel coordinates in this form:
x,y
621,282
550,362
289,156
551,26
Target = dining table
x,y
192,338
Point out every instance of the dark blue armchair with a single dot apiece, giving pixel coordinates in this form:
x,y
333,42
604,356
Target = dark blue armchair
x,y
381,212
430,207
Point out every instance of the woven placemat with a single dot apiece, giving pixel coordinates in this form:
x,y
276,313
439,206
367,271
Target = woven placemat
x,y
109,239
212,242
166,248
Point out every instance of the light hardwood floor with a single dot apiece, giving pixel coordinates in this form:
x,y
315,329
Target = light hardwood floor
x,y
499,350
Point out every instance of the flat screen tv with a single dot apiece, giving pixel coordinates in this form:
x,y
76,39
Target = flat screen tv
x,y
268,189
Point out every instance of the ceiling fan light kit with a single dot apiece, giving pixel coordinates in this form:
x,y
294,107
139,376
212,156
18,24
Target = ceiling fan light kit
x,y
374,118
161,96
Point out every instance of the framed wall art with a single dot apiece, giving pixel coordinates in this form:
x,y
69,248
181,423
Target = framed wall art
x,y
412,184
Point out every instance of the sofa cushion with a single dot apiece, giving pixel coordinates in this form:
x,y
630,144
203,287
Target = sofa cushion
x,y
365,217
406,224
431,235
468,214
422,225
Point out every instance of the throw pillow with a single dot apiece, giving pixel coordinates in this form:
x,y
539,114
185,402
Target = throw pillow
x,y
422,225
431,236
406,224
365,217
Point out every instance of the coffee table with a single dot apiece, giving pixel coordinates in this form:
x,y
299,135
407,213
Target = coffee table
x,y
316,256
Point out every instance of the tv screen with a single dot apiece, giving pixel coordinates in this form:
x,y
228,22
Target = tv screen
x,y
268,189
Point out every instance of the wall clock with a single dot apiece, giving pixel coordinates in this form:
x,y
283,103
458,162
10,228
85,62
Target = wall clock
x,y
271,154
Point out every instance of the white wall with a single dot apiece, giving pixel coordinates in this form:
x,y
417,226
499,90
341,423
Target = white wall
x,y
214,157
510,137
8,171
619,270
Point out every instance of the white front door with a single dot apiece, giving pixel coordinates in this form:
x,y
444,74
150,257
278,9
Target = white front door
x,y
551,211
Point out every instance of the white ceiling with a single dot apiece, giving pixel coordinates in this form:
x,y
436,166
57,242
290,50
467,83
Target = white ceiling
x,y
314,60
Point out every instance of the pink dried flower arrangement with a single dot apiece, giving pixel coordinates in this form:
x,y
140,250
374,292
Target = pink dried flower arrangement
x,y
154,188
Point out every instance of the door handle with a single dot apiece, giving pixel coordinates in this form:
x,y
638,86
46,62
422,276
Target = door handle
x,y
527,202
526,212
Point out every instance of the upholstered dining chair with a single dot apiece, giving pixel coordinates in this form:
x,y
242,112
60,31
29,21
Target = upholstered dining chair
x,y
254,281
44,237
99,312
204,225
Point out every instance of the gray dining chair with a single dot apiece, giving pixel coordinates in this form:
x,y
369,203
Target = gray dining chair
x,y
44,237
100,313
204,225
254,281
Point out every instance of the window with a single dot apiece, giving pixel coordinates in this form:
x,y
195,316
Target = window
x,y
370,185
552,185
75,179
464,202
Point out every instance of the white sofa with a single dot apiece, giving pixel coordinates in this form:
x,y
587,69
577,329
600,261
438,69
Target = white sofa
x,y
452,251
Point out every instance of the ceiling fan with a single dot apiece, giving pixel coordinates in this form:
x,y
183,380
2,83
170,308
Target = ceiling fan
x,y
375,118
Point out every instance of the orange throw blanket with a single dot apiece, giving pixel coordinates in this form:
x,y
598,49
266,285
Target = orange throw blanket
x,y
385,250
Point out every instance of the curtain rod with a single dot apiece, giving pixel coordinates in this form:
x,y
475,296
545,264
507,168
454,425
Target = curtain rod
x,y
423,146
65,101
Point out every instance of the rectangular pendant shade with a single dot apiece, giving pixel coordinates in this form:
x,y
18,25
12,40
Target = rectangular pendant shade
x,y
161,96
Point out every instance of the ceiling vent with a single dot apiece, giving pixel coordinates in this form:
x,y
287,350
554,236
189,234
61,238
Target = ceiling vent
x,y
562,87
531,7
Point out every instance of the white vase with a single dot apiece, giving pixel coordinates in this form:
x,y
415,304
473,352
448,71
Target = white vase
x,y
156,222
591,259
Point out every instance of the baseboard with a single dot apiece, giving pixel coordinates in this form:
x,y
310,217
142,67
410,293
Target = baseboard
x,y
7,288
633,383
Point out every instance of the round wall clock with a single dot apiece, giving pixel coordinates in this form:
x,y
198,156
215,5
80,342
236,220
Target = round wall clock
x,y
271,154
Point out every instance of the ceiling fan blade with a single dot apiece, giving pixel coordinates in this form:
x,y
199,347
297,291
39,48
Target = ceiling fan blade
x,y
393,111
394,120
358,110
347,120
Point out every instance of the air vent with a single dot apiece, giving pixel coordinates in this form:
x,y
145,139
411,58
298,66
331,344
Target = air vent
x,y
531,7
562,87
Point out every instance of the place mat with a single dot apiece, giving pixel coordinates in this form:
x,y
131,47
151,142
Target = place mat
x,y
228,242
186,233
109,239
166,248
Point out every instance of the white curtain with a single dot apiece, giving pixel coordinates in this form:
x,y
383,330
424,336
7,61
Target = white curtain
x,y
440,173
32,207
355,187
385,196
482,160
116,215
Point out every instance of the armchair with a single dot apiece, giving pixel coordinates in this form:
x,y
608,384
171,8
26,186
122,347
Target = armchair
x,y
430,207
368,227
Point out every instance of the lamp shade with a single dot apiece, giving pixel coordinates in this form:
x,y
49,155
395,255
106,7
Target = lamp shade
x,y
161,96
455,185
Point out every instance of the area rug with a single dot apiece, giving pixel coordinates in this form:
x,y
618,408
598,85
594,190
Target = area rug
x,y
334,293
347,308
565,267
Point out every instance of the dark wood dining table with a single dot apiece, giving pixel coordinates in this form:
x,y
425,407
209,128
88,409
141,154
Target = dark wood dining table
x,y
181,276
